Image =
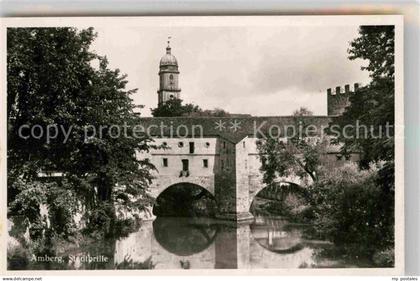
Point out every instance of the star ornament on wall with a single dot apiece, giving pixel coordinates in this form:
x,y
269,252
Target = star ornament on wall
x,y
235,125
220,125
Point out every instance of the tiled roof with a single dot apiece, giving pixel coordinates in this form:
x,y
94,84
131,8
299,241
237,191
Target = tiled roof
x,y
246,126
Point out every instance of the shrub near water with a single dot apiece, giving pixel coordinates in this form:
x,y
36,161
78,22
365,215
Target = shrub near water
x,y
350,210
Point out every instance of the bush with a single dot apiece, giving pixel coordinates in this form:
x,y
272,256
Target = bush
x,y
17,256
350,210
100,221
384,258
124,227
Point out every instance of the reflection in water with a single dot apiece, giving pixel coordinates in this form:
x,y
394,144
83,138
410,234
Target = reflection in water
x,y
184,236
173,243
184,243
277,235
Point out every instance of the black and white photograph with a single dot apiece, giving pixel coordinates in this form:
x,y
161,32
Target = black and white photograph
x,y
204,143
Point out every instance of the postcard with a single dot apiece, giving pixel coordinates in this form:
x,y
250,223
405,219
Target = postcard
x,y
269,144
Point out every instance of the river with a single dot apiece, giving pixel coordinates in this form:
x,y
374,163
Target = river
x,y
201,243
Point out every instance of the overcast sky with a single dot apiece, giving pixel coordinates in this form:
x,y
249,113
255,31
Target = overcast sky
x,y
255,70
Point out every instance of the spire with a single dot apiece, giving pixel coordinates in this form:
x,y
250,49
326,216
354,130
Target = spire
x,y
168,49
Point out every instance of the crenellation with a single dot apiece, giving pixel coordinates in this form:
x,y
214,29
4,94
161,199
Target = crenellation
x,y
337,90
338,99
347,88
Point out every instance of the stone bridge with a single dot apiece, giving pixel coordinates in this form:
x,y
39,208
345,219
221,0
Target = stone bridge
x,y
161,183
233,198
223,161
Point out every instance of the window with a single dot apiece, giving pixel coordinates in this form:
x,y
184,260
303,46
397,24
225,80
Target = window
x,y
205,163
180,144
207,144
165,162
224,144
171,77
165,143
243,144
222,164
185,165
191,147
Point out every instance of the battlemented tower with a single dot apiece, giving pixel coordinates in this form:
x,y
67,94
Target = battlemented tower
x,y
168,77
338,99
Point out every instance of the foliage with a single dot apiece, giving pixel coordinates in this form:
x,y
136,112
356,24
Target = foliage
x,y
373,105
28,201
101,224
17,256
52,80
348,207
297,155
302,111
175,108
385,257
217,112
376,45
129,263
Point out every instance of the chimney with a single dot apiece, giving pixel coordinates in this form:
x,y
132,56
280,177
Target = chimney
x,y
329,91
356,87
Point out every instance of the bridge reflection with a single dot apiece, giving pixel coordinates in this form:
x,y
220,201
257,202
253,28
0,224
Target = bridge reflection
x,y
174,243
184,236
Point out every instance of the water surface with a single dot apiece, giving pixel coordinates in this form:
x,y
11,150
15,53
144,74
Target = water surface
x,y
202,243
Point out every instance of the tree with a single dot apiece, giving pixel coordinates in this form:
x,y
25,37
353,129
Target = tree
x,y
298,154
373,105
376,45
373,108
217,112
52,82
302,111
349,211
174,108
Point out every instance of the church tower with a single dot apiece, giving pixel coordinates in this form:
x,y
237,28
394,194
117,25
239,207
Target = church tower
x,y
168,77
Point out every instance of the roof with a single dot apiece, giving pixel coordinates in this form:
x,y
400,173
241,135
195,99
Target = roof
x,y
233,129
168,58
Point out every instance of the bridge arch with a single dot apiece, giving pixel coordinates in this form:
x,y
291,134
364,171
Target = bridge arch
x,y
161,183
257,185
184,199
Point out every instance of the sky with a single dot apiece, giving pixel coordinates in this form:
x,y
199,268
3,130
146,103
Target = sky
x,y
258,70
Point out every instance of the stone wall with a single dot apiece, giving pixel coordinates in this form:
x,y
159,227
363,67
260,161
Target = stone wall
x,y
338,98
